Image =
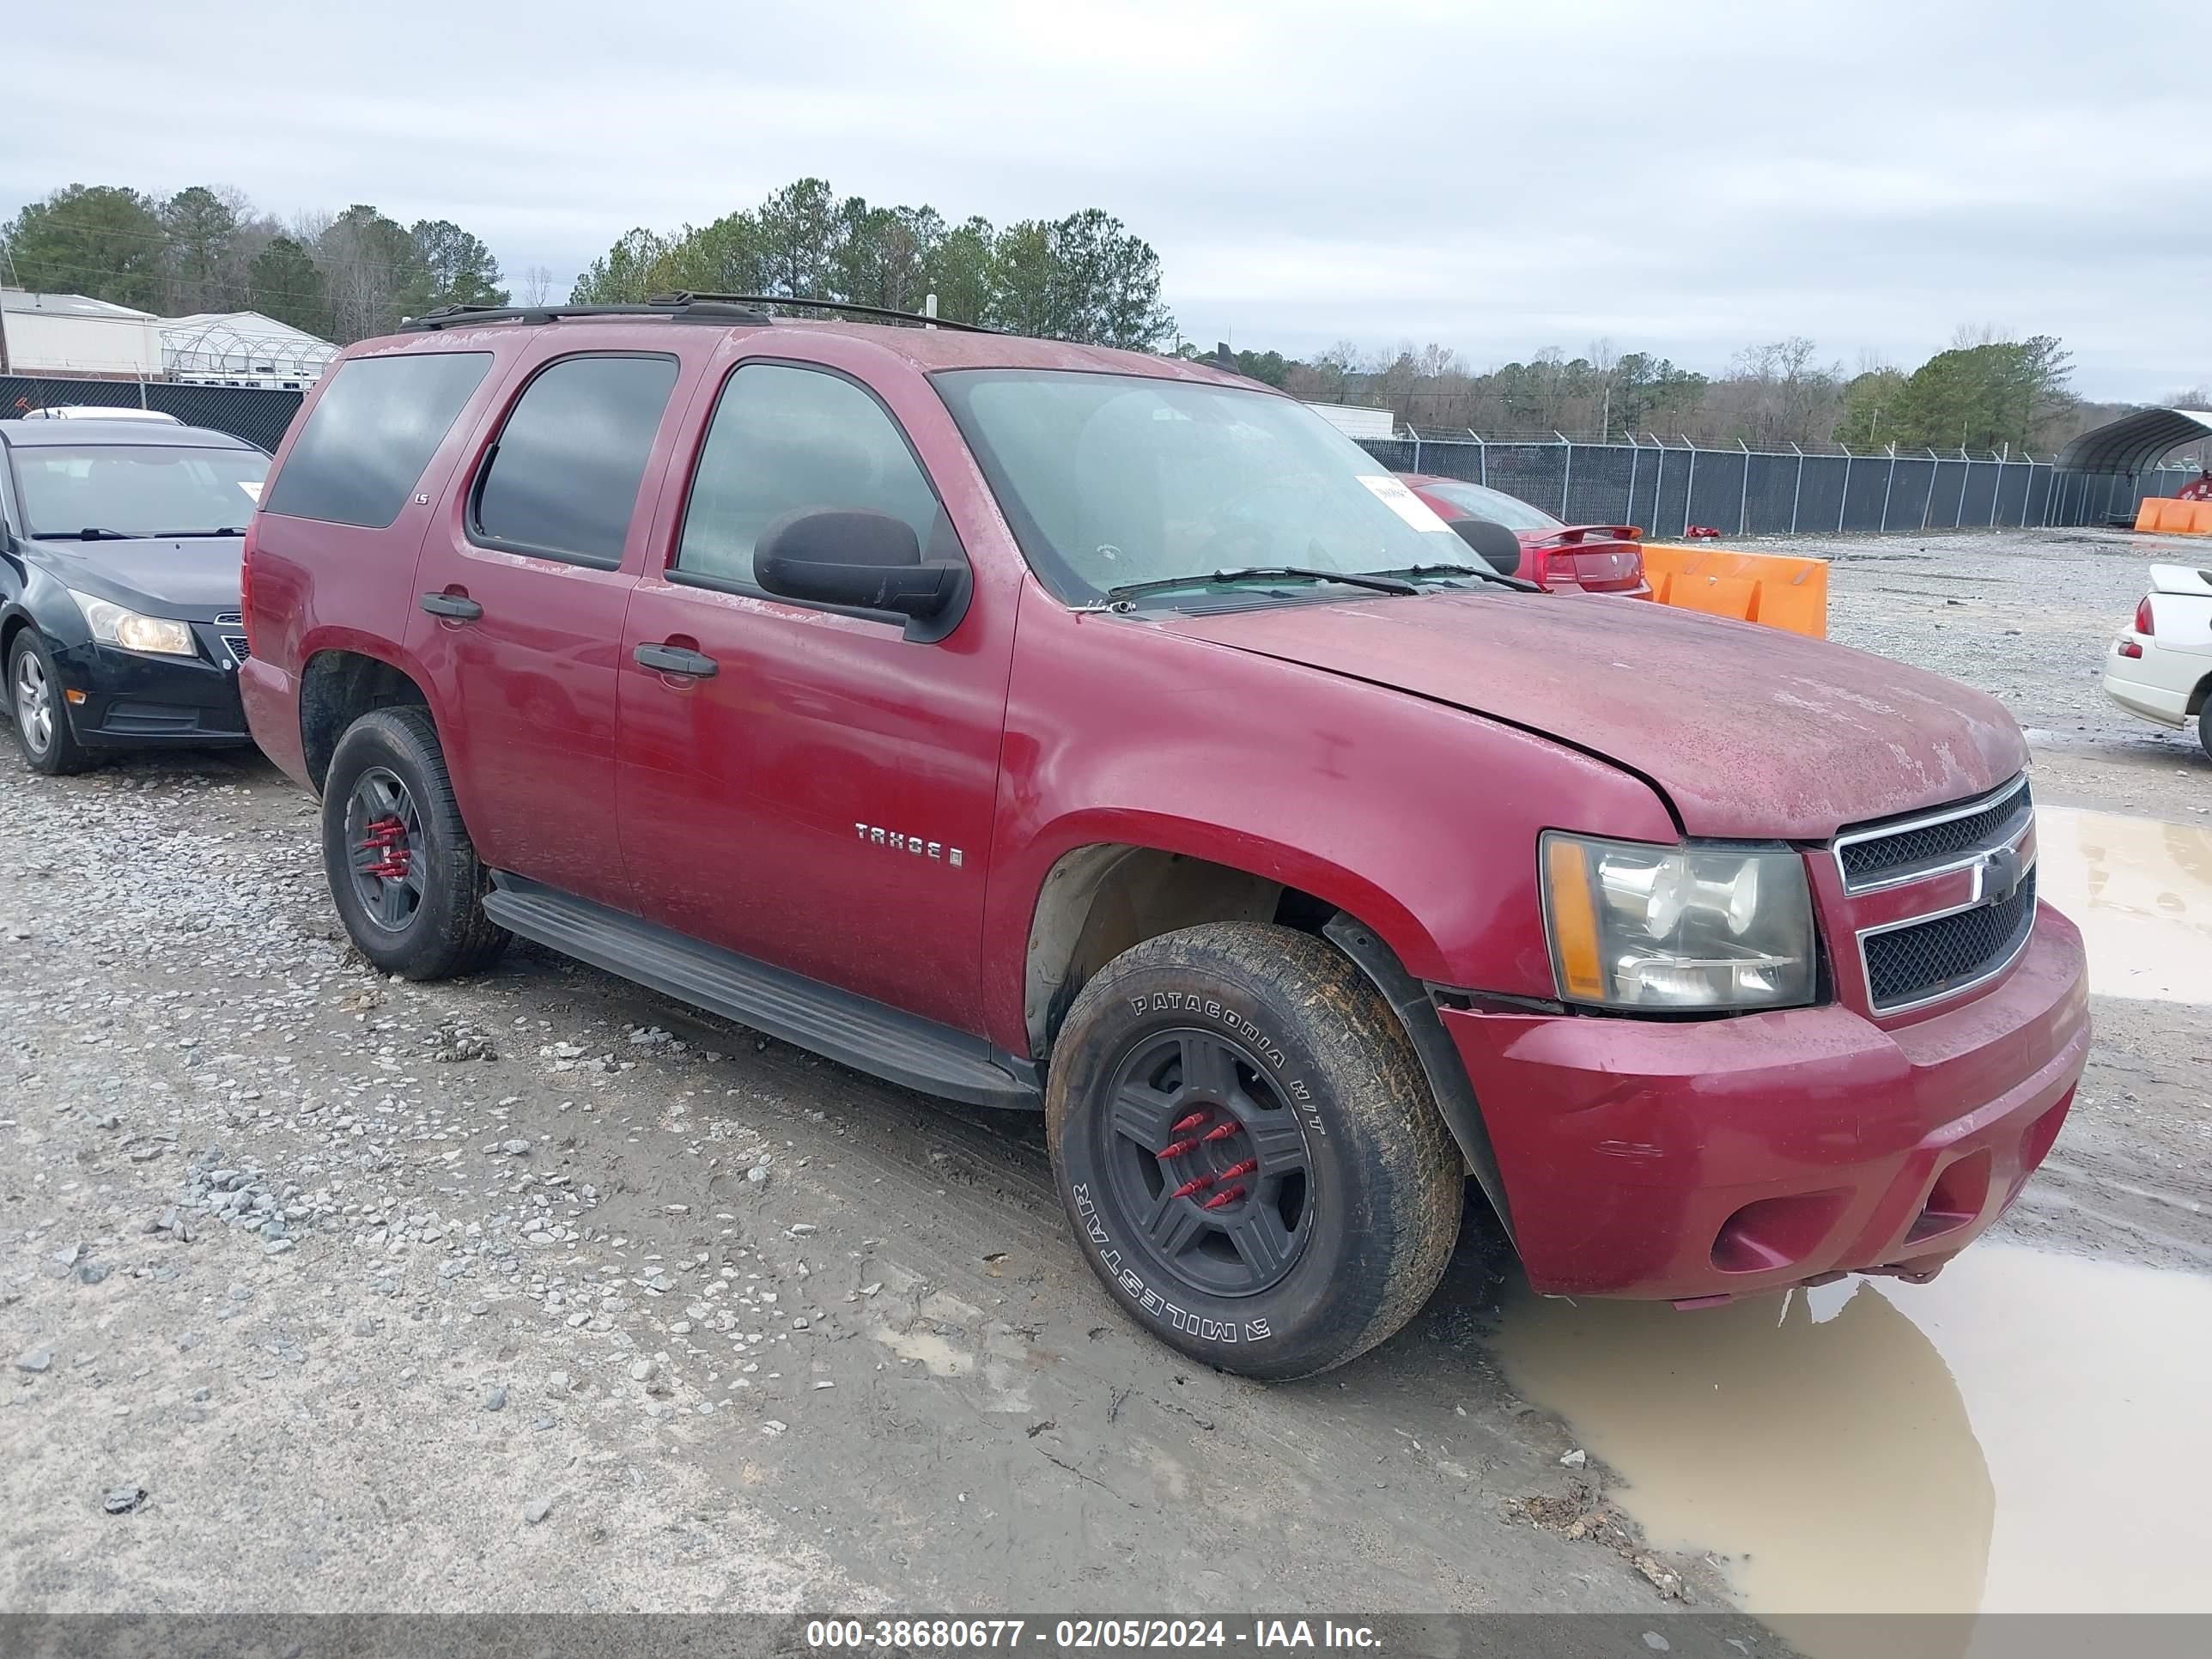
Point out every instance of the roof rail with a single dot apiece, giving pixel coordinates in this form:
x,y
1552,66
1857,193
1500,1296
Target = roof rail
x,y
680,307
682,297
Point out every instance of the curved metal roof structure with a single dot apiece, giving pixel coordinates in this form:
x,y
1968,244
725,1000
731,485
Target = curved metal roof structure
x,y
241,343
2133,442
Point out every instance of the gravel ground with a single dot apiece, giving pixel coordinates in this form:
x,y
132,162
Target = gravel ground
x,y
2025,616
321,1291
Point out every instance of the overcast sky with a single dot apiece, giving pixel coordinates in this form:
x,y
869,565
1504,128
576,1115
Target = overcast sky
x,y
1686,178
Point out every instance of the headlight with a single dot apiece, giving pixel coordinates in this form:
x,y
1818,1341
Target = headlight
x,y
113,625
1635,926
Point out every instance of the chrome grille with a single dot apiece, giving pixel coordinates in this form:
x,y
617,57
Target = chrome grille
x,y
1877,857
1924,960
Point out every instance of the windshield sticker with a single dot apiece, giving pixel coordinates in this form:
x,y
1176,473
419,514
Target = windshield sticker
x,y
1403,502
252,487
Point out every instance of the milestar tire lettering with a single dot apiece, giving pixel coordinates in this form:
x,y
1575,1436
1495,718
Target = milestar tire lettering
x,y
1159,1306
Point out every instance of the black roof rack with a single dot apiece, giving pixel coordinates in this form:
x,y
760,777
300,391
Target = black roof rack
x,y
803,302
680,307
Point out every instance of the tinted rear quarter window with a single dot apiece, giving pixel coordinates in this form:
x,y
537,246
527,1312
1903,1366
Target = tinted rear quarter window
x,y
563,480
371,433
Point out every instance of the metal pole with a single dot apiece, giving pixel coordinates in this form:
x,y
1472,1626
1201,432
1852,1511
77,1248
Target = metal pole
x,y
1958,513
1844,505
1743,498
1935,467
1566,476
1416,431
1797,494
1658,485
1635,460
1888,484
1691,488
1997,494
1481,457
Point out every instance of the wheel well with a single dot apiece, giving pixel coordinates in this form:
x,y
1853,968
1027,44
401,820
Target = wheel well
x,y
336,689
10,628
1099,900
2197,697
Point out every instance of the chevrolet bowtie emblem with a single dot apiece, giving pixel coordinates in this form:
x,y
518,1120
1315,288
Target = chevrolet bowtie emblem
x,y
1998,876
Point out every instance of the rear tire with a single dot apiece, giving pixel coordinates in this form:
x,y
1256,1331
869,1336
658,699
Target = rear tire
x,y
1247,1145
404,874
41,719
2204,728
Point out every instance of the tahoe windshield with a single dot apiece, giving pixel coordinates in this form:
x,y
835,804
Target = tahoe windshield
x,y
1113,480
137,489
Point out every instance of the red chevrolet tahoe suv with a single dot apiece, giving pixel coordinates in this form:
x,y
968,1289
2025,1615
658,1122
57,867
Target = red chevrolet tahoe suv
x,y
1074,730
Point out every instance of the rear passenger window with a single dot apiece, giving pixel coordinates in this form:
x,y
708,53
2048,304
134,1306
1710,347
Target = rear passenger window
x,y
372,433
562,479
784,439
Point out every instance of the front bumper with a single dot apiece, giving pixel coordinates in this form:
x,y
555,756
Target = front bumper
x,y
1716,1158
136,700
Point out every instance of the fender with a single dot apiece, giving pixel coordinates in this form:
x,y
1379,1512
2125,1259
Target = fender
x,y
322,641
1417,817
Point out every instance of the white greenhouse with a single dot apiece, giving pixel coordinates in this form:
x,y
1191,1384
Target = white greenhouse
x,y
241,348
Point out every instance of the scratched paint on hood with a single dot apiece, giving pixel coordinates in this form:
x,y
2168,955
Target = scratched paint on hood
x,y
1749,730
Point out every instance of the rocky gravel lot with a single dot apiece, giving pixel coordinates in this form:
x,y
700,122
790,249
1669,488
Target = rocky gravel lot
x,y
2025,616
323,1290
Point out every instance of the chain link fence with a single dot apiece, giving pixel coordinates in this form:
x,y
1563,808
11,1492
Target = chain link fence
x,y
258,415
1667,488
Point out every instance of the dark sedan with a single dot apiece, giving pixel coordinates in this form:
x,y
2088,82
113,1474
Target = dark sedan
x,y
119,614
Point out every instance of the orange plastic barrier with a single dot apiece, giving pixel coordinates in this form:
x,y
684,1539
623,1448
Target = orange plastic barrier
x,y
2166,515
1768,588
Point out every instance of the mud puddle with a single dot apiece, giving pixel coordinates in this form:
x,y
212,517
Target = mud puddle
x,y
2027,1433
2141,891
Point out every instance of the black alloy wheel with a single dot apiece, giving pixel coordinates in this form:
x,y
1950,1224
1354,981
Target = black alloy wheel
x,y
384,833
1207,1169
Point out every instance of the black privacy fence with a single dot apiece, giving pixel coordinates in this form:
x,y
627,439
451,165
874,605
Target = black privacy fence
x,y
1667,488
258,415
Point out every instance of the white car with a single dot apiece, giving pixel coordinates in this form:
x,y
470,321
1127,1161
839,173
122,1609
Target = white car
x,y
98,412
2161,667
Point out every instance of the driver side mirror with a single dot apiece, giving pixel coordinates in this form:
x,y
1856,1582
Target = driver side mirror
x,y
1499,547
862,561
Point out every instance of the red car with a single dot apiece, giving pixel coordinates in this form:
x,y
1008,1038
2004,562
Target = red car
x,y
1094,733
1587,558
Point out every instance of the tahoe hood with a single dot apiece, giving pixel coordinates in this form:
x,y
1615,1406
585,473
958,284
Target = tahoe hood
x,y
1748,732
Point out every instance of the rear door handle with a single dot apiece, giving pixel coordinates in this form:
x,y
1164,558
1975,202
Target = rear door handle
x,y
452,605
675,659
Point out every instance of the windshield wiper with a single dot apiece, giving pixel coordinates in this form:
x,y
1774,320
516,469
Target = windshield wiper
x,y
1488,575
188,535
91,532
1378,581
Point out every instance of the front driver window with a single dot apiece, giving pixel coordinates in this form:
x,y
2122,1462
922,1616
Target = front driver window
x,y
786,440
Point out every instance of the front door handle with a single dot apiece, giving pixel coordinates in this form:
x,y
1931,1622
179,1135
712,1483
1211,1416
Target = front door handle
x,y
453,606
675,659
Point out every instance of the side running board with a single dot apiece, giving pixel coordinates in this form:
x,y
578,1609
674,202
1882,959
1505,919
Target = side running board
x,y
853,1030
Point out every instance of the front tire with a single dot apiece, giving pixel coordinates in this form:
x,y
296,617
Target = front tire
x,y
402,872
43,732
2204,728
1248,1150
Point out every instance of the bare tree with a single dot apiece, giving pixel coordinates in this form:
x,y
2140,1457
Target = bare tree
x,y
534,285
